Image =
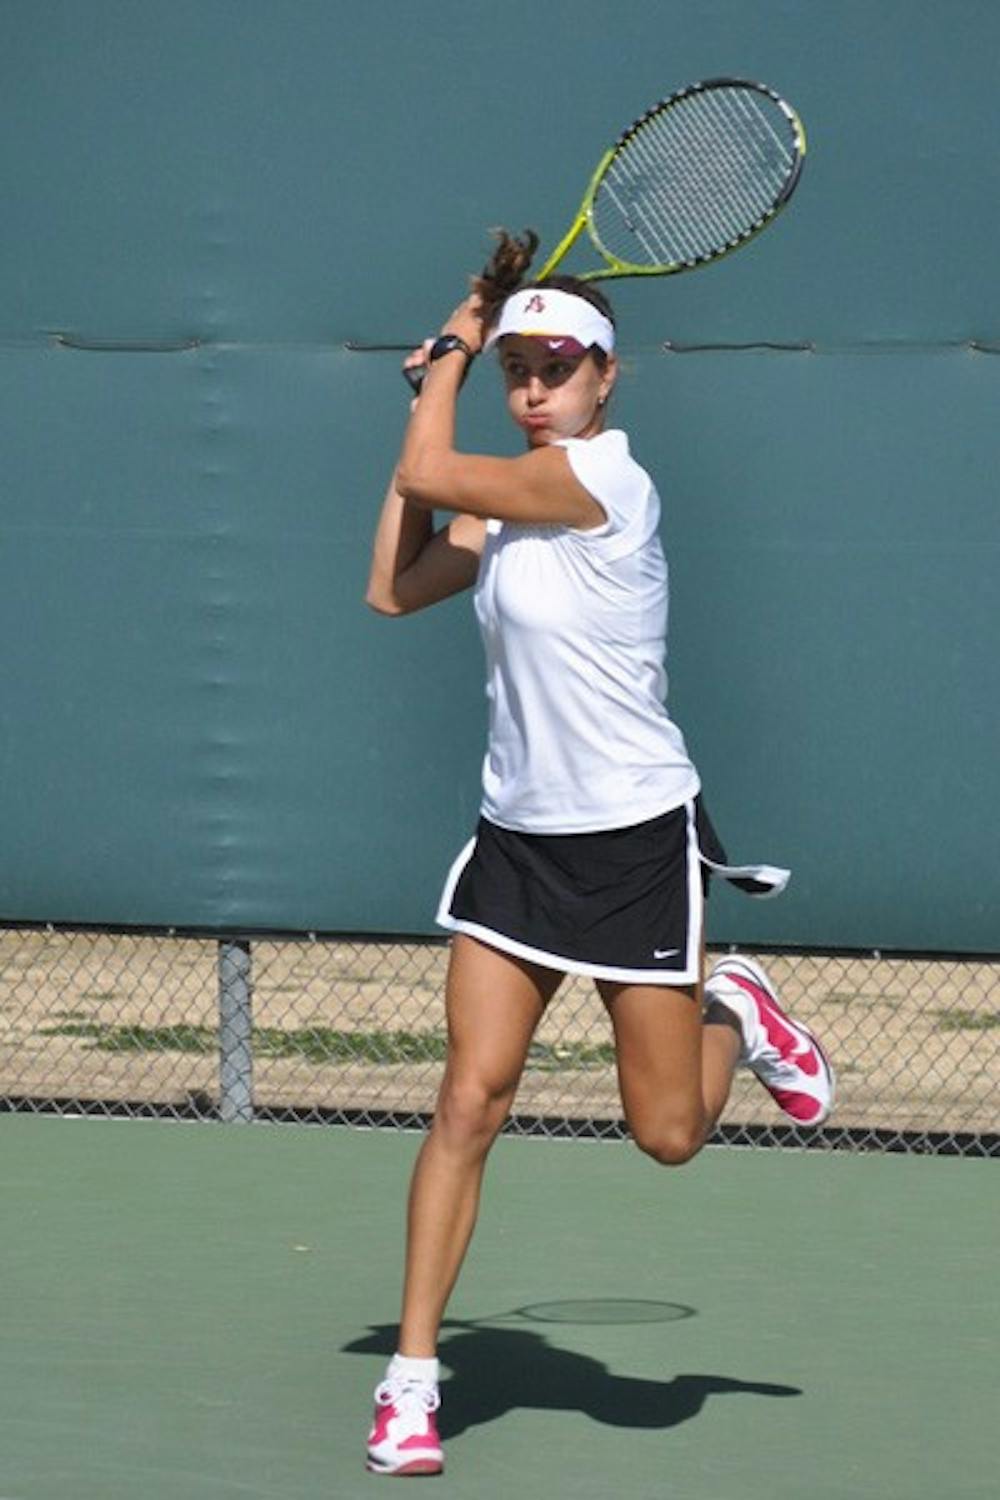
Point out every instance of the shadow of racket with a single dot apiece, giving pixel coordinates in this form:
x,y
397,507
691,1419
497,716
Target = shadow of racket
x,y
589,1311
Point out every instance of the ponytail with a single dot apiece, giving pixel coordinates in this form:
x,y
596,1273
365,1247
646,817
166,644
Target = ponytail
x,y
504,271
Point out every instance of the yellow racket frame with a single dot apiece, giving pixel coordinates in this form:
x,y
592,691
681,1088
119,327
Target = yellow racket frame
x,y
615,267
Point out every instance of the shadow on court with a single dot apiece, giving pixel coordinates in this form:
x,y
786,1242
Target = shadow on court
x,y
496,1371
186,1314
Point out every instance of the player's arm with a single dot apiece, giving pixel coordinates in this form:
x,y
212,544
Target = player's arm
x,y
413,565
539,486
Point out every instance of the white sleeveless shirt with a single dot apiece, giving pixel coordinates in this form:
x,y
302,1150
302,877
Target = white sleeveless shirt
x,y
574,626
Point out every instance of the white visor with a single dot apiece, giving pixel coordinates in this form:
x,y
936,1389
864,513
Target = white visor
x,y
569,324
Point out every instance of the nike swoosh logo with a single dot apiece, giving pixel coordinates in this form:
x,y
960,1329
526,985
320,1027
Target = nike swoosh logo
x,y
803,1053
665,952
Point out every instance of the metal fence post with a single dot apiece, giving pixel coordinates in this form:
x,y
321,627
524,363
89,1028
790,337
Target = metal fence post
x,y
235,1031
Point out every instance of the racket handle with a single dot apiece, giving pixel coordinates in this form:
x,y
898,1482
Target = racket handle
x,y
416,374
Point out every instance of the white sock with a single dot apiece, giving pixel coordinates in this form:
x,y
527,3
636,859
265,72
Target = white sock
x,y
426,1371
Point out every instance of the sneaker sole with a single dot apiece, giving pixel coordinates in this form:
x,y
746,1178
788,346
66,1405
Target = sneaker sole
x,y
757,976
411,1470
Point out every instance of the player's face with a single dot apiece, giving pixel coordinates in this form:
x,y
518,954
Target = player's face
x,y
552,395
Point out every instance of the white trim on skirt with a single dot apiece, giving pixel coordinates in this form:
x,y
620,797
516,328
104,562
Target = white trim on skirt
x,y
690,974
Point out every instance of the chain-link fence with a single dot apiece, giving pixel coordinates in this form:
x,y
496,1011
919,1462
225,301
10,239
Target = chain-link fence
x,y
351,1030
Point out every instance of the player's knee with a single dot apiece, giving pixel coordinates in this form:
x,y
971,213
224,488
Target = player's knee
x,y
469,1111
671,1144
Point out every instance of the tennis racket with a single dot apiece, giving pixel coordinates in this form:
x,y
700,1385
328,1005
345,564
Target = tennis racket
x,y
694,178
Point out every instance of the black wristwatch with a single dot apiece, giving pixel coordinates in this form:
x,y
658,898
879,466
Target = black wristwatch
x,y
447,344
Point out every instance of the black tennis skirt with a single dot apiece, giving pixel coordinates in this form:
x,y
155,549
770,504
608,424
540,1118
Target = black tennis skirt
x,y
624,904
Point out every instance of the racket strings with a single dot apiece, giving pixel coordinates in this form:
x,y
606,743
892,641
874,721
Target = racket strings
x,y
767,158
727,189
725,195
734,163
692,163
696,177
683,214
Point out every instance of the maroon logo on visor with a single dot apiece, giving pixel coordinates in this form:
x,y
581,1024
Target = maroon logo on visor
x,y
535,304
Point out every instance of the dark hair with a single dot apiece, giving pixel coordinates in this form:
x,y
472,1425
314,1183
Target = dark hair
x,y
505,273
505,270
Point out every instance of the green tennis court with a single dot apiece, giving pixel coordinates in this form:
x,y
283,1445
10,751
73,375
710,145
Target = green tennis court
x,y
202,1311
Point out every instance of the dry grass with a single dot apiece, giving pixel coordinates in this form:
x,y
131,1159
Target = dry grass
x,y
92,1016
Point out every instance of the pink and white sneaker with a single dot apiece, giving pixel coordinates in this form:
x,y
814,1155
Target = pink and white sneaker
x,y
783,1053
404,1437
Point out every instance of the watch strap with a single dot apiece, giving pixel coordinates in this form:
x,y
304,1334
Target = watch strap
x,y
449,343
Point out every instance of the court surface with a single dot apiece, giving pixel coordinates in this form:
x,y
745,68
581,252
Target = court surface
x,y
202,1312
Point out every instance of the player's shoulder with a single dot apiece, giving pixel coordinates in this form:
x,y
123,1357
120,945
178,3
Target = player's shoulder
x,y
610,444
609,456
611,449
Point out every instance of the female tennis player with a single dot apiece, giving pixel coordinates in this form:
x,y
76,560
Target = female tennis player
x,y
593,850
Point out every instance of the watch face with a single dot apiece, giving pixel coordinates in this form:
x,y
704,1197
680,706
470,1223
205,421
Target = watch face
x,y
446,344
